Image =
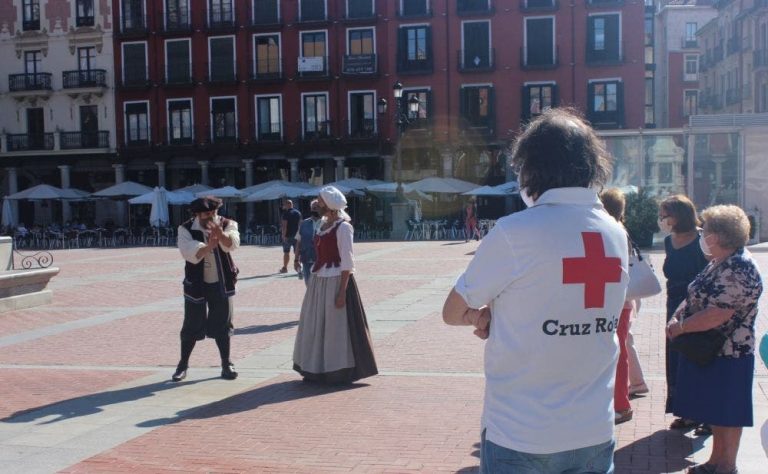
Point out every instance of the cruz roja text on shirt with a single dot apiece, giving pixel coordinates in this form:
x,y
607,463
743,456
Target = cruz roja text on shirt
x,y
553,327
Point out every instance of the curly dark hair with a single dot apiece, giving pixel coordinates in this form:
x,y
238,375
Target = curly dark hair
x,y
559,149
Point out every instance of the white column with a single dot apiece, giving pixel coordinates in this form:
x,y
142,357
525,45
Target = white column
x,y
122,206
339,167
387,159
294,169
203,172
66,211
250,214
13,188
447,156
160,173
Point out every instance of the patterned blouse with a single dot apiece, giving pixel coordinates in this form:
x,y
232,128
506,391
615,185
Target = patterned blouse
x,y
733,284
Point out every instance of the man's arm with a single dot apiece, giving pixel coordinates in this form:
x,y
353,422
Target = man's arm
x,y
457,313
192,250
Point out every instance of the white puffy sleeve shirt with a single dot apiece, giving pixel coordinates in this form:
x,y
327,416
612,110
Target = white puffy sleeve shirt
x,y
344,240
188,246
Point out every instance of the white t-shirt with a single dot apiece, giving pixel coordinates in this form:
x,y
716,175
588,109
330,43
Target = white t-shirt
x,y
550,360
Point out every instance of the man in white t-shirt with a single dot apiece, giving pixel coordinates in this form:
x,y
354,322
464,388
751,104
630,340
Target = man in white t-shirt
x,y
546,288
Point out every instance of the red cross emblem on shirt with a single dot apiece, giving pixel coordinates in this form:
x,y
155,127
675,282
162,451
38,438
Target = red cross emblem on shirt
x,y
594,270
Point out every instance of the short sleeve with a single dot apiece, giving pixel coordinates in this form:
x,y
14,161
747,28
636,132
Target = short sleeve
x,y
489,272
738,286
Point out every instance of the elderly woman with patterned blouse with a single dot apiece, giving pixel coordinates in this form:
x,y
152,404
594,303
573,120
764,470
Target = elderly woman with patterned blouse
x,y
723,296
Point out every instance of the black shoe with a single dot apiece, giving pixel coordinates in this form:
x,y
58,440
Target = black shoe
x,y
179,375
228,372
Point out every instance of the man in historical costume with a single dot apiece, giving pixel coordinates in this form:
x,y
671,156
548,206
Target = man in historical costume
x,y
206,243
333,343
305,240
546,288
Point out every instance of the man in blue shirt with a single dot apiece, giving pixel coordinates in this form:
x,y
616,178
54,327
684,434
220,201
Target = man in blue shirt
x,y
289,225
306,240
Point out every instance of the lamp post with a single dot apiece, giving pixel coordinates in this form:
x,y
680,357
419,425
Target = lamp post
x,y
402,119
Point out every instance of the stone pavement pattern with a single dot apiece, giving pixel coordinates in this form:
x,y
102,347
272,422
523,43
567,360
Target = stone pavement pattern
x,y
85,379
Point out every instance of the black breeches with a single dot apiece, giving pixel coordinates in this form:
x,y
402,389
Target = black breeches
x,y
212,318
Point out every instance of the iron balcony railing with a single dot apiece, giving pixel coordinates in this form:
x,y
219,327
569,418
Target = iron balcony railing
x,y
688,42
267,131
29,82
476,61
360,10
267,69
265,13
178,74
29,141
139,137
179,136
28,25
77,140
89,78
414,9
539,5
360,129
314,131
474,7
221,72
133,25
86,20
534,62
178,23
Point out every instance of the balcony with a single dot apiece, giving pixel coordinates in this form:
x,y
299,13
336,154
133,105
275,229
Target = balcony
x,y
84,140
222,23
599,58
689,43
311,15
313,67
690,77
221,73
360,65
360,14
135,81
269,132
135,138
414,66
178,74
360,129
476,61
474,132
86,20
93,78
410,10
178,137
317,131
39,81
266,21
133,27
474,7
760,59
267,70
529,63
30,25
604,3
29,141
533,6
178,25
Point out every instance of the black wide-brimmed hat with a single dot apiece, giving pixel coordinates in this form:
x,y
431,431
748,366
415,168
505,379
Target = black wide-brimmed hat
x,y
205,204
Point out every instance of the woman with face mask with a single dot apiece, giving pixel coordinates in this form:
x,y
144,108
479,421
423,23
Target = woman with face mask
x,y
684,260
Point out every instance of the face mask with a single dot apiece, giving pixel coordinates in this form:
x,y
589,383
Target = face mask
x,y
665,226
704,246
527,199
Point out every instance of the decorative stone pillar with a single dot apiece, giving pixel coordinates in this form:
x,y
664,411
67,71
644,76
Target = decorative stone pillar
x,y
160,173
387,159
447,156
339,167
121,206
203,172
294,162
66,210
250,213
13,188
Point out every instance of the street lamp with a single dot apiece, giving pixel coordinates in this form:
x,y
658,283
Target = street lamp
x,y
402,119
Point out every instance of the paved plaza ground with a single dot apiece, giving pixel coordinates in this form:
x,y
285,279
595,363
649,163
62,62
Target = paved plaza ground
x,y
85,380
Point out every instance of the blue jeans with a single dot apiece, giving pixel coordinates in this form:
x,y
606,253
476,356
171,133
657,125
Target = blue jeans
x,y
596,459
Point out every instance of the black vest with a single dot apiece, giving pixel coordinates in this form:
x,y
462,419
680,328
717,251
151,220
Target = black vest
x,y
194,284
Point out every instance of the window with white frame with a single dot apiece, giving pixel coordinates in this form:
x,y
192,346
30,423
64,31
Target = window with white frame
x,y
178,61
221,13
266,52
414,49
360,8
314,53
476,39
222,53
268,118
604,38
691,67
180,128
606,103
223,119
84,15
413,7
476,105
30,15
690,102
540,42
420,118
177,15
316,123
133,15
362,119
266,12
538,98
137,123
135,64
312,10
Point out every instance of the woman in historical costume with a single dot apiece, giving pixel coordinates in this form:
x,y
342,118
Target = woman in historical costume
x,y
333,343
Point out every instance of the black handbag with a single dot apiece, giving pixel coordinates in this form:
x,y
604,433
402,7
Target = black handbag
x,y
700,348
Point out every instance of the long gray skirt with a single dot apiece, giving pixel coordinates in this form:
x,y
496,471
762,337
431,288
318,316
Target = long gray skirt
x,y
333,345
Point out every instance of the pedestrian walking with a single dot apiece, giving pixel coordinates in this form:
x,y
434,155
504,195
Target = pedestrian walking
x,y
333,343
206,242
546,288
289,225
305,238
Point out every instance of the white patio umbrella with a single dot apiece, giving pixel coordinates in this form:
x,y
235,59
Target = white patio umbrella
x,y
9,219
355,183
174,198
503,189
193,188
46,191
226,192
276,191
443,185
391,188
124,190
159,216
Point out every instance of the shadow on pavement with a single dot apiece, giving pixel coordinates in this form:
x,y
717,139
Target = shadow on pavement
x,y
260,396
660,445
91,404
258,329
255,277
